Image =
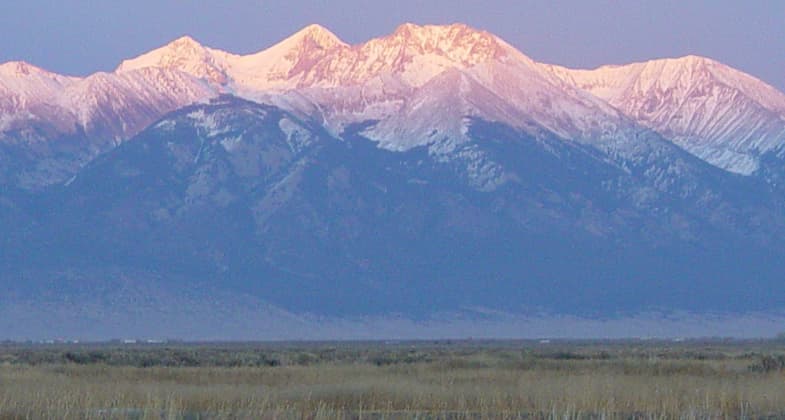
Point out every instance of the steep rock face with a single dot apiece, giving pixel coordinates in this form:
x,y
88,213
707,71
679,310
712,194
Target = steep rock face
x,y
721,115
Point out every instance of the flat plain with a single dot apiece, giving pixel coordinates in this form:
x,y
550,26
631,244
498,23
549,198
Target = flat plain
x,y
462,379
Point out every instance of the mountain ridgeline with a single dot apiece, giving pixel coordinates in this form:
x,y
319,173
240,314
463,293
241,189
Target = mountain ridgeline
x,y
426,172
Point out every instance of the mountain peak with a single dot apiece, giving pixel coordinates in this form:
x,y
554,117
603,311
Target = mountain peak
x,y
692,59
185,42
280,65
433,29
314,35
179,49
458,43
688,66
444,37
184,54
173,54
20,68
722,115
408,29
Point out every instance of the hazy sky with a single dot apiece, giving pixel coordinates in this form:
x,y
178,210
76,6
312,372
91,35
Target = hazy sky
x,y
83,36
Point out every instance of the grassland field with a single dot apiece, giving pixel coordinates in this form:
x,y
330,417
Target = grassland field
x,y
462,379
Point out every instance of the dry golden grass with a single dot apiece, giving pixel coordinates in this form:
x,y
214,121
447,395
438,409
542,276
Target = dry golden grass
x,y
455,384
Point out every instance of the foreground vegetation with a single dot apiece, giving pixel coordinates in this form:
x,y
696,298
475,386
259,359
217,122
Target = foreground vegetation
x,y
445,380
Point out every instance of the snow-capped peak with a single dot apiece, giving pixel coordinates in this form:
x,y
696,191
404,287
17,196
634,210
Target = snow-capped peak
x,y
183,54
458,42
182,49
185,42
418,53
30,93
314,56
675,73
24,79
718,113
281,66
20,69
316,35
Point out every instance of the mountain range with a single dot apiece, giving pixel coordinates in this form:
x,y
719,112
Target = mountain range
x,y
431,171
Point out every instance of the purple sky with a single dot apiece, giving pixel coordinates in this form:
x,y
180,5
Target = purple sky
x,y
82,36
